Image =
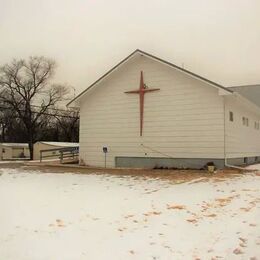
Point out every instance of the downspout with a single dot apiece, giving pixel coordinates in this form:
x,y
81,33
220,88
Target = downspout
x,y
225,153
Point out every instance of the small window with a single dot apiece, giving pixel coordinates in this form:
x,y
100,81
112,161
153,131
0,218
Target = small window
x,y
257,125
231,116
3,150
245,121
245,160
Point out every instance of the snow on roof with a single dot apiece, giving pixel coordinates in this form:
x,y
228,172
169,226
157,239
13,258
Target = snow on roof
x,y
60,144
14,145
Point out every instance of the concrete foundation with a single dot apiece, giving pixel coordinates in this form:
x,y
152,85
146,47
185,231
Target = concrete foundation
x,y
155,162
180,163
243,160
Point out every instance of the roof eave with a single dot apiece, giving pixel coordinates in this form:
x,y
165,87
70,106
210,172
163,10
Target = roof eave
x,y
246,101
101,78
187,72
224,90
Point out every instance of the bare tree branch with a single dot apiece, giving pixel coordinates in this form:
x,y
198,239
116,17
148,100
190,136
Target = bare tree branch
x,y
26,83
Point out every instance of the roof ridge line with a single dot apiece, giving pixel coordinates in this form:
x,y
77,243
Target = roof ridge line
x,y
158,59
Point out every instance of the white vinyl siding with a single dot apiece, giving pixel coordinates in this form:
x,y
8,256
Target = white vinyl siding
x,y
184,119
242,139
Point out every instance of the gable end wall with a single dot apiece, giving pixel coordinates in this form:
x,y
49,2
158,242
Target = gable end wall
x,y
184,119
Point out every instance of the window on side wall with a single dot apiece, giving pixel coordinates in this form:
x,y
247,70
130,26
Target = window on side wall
x,y
245,121
257,125
231,116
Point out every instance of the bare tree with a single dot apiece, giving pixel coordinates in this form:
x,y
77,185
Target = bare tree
x,y
25,88
6,119
68,123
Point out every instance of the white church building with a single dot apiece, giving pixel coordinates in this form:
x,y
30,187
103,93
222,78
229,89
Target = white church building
x,y
147,112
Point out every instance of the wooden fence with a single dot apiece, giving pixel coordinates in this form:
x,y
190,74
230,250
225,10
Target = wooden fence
x,y
63,153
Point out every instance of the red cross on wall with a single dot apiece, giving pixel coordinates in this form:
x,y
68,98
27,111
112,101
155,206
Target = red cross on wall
x,y
141,91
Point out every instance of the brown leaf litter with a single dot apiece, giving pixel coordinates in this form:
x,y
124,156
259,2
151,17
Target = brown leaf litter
x,y
122,229
244,240
59,223
210,215
129,216
192,220
222,202
238,251
152,213
180,207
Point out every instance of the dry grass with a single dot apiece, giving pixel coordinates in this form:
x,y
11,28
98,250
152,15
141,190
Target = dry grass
x,y
176,176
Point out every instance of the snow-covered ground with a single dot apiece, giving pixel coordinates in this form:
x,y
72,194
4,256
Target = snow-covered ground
x,y
72,216
254,167
6,162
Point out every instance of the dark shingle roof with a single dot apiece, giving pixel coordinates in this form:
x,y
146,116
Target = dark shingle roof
x,y
250,92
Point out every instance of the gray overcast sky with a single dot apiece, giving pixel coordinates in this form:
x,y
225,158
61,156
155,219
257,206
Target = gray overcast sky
x,y
218,39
